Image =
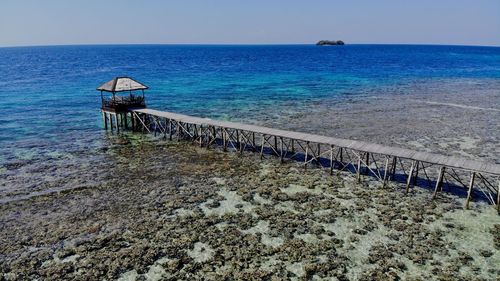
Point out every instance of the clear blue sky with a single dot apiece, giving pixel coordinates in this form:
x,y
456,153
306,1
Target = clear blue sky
x,y
54,22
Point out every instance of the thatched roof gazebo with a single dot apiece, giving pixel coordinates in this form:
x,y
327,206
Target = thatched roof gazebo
x,y
122,103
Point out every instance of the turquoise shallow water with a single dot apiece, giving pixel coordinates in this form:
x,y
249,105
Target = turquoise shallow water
x,y
49,103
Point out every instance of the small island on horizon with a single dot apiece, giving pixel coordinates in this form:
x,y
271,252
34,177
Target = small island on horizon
x,y
330,42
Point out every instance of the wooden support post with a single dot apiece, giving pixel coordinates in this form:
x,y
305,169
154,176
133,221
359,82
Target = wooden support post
x,y
469,191
156,126
136,122
439,182
415,178
281,150
170,129
141,119
367,170
498,197
386,171
117,124
178,130
111,121
331,160
253,142
262,139
243,141
358,172
132,117
319,153
305,157
410,177
276,145
200,135
394,167
104,120
238,141
224,140
293,146
341,156
214,133
165,131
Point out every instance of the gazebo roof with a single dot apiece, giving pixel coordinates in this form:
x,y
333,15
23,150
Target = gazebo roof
x,y
122,84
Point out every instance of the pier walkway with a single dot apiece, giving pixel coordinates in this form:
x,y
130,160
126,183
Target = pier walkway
x,y
365,159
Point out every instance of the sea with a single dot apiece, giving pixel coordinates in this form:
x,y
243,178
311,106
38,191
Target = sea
x,y
81,202
50,106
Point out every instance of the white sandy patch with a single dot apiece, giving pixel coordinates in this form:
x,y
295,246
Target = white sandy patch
x,y
71,258
322,212
219,181
184,212
295,188
223,269
56,259
261,200
270,264
346,202
201,252
221,225
286,206
262,227
296,268
228,205
265,169
156,272
307,237
129,276
181,212
272,241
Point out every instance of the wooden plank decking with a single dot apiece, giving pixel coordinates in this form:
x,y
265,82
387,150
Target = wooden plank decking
x,y
449,161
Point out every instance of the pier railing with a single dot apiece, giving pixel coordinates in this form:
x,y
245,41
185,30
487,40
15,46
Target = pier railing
x,y
472,179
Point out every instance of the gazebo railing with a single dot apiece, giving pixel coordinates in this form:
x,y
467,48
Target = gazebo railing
x,y
119,102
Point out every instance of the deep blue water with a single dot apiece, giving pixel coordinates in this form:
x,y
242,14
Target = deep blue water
x,y
49,103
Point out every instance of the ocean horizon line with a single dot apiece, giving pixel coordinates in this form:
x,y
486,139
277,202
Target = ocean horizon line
x,y
242,45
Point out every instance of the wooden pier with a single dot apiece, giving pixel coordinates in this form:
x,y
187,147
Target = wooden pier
x,y
385,163
362,158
